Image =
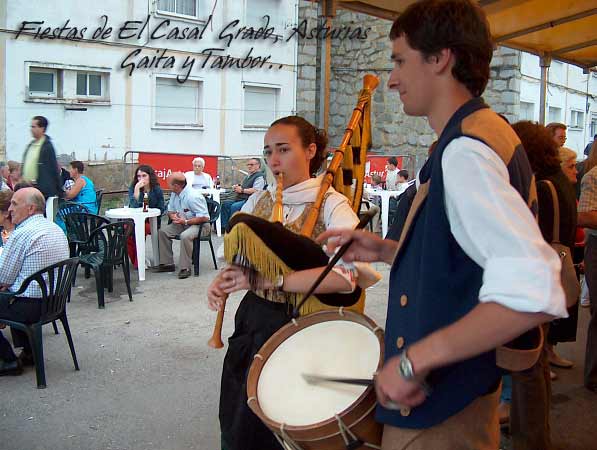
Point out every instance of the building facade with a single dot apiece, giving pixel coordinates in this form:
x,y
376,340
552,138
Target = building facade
x,y
113,92
571,99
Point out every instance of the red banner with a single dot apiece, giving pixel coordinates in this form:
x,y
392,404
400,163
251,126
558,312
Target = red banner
x,y
164,164
376,165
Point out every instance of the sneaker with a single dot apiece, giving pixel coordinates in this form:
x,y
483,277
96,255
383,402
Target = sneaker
x,y
585,302
26,359
11,368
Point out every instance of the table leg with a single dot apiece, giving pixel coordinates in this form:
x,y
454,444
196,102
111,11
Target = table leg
x,y
385,206
140,243
153,223
216,197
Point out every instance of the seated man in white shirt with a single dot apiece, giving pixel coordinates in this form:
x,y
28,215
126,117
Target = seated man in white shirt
x,y
197,178
187,209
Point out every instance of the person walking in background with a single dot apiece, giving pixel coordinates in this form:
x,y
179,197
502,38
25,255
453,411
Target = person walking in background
x,y
144,182
82,191
4,174
197,178
40,167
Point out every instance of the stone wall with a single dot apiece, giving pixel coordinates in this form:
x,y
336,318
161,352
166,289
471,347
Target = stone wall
x,y
394,133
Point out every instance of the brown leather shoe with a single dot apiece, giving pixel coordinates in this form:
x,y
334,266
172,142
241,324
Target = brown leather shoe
x,y
165,268
184,273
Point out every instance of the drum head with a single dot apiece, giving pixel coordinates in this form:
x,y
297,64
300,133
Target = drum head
x,y
336,348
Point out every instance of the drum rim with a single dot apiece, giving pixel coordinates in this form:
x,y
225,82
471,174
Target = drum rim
x,y
322,428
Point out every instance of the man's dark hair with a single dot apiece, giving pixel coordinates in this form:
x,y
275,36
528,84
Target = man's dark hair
x,y
430,26
42,122
78,165
393,161
403,173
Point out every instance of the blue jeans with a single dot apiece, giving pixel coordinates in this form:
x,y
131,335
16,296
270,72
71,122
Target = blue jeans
x,y
229,208
506,389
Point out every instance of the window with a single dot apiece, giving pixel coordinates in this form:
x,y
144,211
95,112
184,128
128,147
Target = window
x,y
43,82
256,9
593,131
178,104
577,119
183,7
89,84
260,106
527,111
554,114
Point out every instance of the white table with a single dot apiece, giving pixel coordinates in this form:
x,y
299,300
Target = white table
x,y
385,204
139,217
215,194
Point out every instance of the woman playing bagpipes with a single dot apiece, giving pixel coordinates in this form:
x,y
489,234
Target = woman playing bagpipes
x,y
295,150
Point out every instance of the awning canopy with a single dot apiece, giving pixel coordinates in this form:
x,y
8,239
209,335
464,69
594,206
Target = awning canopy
x,y
563,29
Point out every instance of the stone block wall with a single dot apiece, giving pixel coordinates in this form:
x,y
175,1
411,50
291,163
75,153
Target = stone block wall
x,y
394,133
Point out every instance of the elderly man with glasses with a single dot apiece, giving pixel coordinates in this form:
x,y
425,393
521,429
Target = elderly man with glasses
x,y
254,181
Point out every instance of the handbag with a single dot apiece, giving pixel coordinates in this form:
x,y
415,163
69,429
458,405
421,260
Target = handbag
x,y
568,278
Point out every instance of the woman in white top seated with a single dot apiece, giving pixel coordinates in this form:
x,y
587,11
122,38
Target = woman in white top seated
x,y
197,178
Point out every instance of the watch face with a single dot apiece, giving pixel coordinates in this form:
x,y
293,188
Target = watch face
x,y
405,368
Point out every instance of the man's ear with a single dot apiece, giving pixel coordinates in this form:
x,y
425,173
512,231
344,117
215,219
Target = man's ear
x,y
442,60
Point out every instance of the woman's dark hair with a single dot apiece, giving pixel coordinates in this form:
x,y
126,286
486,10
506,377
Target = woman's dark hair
x,y
78,165
393,161
5,198
540,147
430,26
153,179
309,135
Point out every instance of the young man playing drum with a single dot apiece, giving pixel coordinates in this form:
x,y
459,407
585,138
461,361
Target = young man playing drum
x,y
471,270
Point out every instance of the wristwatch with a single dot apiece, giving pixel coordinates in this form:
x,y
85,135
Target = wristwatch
x,y
186,222
405,367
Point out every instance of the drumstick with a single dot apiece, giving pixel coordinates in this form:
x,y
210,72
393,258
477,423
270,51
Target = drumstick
x,y
367,216
316,379
216,338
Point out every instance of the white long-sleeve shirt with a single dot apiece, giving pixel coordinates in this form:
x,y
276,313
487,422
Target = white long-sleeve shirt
x,y
496,229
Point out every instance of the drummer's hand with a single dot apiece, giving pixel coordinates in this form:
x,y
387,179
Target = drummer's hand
x,y
233,279
366,247
215,295
391,387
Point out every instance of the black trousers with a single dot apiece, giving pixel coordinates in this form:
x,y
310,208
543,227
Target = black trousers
x,y
255,321
26,310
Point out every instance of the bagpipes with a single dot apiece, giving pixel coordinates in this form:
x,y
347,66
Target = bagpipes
x,y
266,249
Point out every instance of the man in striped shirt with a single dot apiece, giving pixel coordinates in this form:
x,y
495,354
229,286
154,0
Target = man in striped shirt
x,y
34,244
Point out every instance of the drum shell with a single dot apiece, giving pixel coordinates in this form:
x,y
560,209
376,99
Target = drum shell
x,y
325,435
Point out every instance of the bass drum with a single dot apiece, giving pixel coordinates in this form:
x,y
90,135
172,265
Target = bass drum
x,y
323,416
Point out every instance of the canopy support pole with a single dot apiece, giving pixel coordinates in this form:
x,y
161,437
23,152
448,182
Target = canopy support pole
x,y
545,62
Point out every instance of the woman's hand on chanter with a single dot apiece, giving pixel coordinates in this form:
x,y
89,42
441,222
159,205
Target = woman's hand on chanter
x,y
233,279
215,295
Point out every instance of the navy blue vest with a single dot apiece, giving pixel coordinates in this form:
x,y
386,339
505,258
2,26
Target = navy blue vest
x,y
433,283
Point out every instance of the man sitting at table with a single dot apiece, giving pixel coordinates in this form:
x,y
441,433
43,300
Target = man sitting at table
x,y
197,178
187,209
254,181
35,243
